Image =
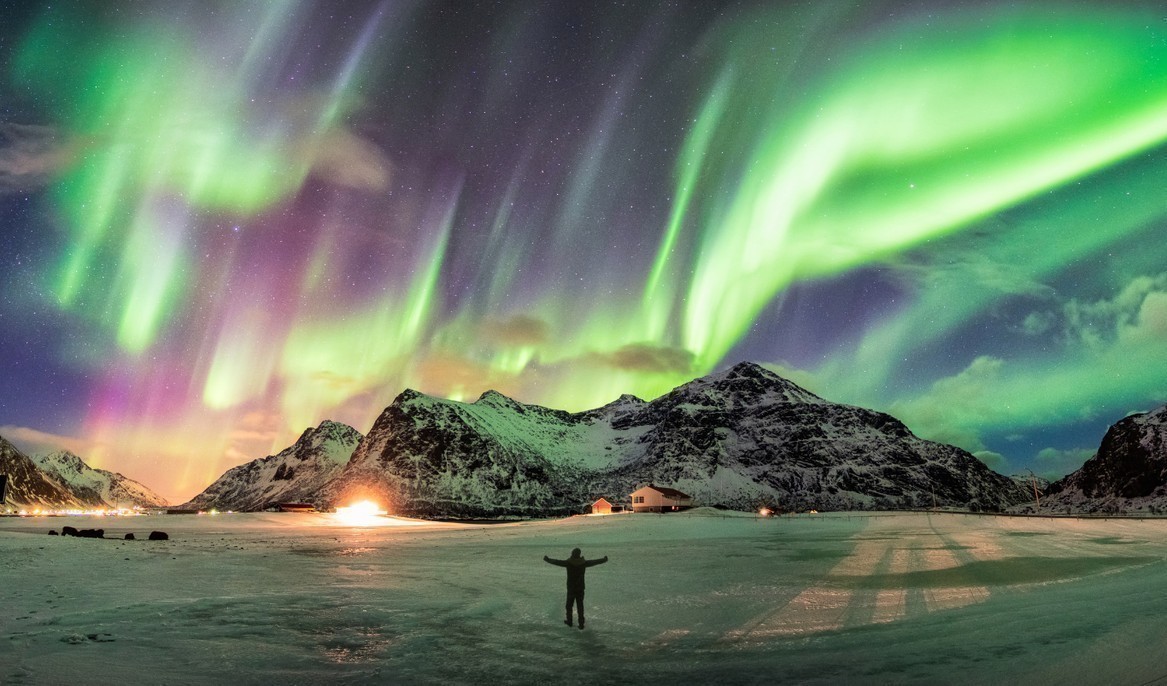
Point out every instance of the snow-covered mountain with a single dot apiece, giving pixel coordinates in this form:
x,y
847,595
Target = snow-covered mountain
x,y
295,474
96,487
1029,482
1127,474
28,486
737,438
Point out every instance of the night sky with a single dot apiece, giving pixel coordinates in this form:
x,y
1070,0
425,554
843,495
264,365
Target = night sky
x,y
226,221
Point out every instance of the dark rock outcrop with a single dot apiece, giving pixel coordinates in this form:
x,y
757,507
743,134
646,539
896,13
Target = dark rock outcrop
x,y
1127,474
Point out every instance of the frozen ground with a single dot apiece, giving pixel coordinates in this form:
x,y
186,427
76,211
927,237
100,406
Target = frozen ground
x,y
298,599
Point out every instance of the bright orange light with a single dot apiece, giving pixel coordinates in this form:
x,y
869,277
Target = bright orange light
x,y
765,512
364,513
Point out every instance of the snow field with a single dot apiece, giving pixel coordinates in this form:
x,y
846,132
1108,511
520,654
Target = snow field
x,y
691,598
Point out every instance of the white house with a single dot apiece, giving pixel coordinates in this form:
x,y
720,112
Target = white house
x,y
659,499
602,506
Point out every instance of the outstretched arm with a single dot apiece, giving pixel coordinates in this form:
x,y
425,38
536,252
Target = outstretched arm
x,y
557,563
593,563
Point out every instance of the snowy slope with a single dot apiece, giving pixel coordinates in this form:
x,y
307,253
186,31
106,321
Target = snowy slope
x,y
747,436
738,439
295,474
436,456
96,487
28,486
815,600
1128,473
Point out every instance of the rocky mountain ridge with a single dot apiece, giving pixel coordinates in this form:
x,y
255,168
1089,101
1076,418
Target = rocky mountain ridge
x,y
737,438
294,474
62,480
28,485
96,487
1128,474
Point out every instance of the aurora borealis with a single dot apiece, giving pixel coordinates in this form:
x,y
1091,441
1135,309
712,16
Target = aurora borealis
x,y
226,221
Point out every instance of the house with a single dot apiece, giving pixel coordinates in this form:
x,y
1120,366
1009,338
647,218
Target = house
x,y
659,499
603,506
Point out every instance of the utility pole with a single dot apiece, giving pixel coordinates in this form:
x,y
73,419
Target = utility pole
x,y
1036,495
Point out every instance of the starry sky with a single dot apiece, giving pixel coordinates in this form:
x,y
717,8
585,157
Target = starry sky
x,y
224,222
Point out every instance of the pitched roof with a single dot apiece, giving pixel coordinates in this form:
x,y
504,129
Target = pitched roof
x,y
602,500
668,492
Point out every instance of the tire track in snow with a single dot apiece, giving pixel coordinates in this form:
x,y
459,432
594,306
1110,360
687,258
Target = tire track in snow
x,y
958,551
837,601
817,608
891,603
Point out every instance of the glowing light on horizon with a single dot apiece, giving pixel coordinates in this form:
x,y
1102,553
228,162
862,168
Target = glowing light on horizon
x,y
363,513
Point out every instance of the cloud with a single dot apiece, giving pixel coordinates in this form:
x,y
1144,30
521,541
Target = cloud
x,y
256,426
993,460
1038,323
1137,314
449,375
1053,463
345,159
1151,322
335,382
645,357
960,266
30,156
955,407
34,441
519,330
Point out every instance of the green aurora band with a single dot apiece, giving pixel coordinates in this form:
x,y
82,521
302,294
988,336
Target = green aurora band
x,y
900,153
165,133
911,144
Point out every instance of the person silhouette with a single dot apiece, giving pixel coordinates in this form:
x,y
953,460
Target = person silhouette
x,y
576,566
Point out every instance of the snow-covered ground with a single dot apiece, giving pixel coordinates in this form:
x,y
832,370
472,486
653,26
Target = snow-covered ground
x,y
691,598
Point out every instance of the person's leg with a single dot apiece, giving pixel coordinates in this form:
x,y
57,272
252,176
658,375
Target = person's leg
x,y
567,609
579,608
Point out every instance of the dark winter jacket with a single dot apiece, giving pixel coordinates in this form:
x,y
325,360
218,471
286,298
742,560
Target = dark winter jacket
x,y
576,566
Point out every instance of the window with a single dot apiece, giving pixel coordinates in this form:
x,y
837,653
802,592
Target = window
x,y
638,499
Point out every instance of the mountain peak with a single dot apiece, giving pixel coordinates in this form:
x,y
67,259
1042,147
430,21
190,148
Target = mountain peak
x,y
496,399
407,395
60,460
747,368
751,381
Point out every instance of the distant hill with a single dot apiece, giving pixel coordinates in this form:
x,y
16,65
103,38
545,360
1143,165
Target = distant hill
x,y
1127,474
96,487
736,439
295,474
28,485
